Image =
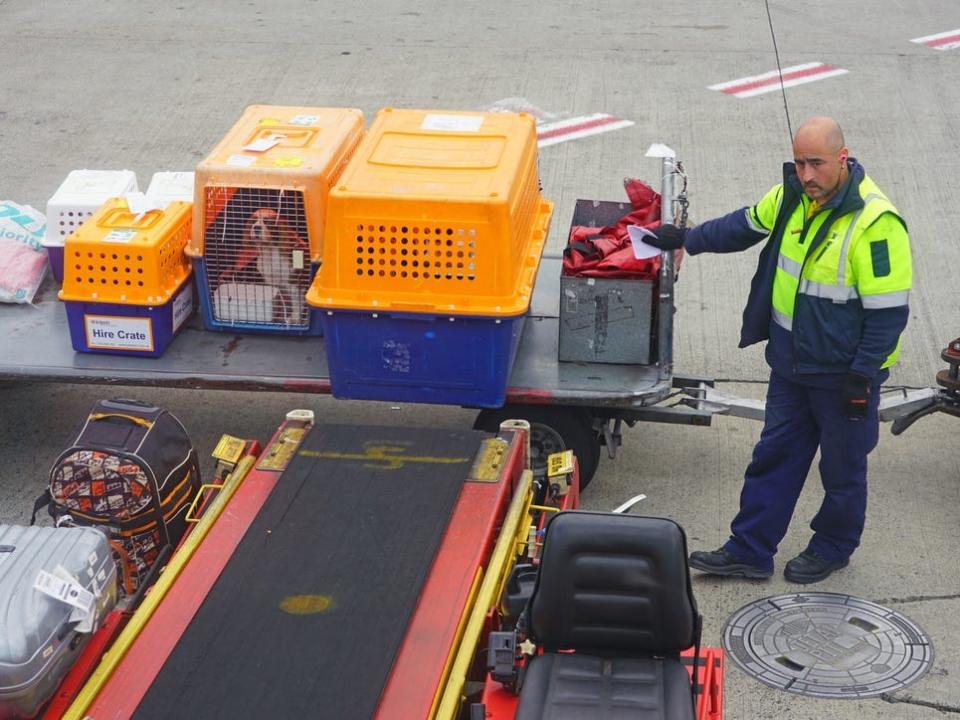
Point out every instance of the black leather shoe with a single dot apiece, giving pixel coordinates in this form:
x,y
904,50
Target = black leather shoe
x,y
720,562
808,567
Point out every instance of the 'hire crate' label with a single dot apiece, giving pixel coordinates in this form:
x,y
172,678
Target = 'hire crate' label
x,y
120,333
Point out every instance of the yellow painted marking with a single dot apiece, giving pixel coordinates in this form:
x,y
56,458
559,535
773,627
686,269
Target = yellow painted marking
x,y
229,449
269,122
560,463
306,604
383,457
288,161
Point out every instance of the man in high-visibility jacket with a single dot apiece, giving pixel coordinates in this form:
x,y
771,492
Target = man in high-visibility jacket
x,y
830,297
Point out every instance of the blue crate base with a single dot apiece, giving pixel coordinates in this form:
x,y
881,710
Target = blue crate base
x,y
142,330
405,357
313,326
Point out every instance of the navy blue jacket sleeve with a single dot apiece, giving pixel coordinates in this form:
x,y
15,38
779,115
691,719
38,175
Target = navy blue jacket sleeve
x,y
881,330
728,233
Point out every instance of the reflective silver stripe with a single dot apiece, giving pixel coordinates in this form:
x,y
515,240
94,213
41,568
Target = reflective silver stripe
x,y
782,319
753,226
791,267
842,265
885,300
841,293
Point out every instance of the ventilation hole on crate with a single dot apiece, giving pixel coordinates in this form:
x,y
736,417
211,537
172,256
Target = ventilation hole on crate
x,y
470,277
416,230
359,271
139,258
116,282
426,231
414,274
403,273
403,229
139,283
139,271
370,273
359,238
449,231
393,273
90,268
359,227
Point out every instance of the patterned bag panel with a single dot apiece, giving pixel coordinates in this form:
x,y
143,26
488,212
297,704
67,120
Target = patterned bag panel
x,y
103,484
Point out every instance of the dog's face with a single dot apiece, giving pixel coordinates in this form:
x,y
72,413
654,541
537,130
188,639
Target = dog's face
x,y
263,227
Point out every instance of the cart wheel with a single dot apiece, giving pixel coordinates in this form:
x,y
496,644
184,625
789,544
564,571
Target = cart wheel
x,y
552,429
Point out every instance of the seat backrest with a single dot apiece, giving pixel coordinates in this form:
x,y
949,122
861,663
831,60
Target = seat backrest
x,y
613,585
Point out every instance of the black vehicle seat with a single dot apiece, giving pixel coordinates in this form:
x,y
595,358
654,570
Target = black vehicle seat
x,y
612,610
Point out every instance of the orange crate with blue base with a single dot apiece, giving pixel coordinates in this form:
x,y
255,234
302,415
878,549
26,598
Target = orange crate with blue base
x,y
434,237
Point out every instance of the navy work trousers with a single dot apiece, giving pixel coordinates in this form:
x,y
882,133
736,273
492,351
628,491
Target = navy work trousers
x,y
800,418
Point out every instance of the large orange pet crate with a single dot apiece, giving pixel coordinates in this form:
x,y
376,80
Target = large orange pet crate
x,y
434,237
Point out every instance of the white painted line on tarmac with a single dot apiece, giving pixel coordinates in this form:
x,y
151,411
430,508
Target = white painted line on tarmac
x,y
770,81
949,40
578,127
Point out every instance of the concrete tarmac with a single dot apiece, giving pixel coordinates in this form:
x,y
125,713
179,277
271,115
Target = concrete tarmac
x,y
151,86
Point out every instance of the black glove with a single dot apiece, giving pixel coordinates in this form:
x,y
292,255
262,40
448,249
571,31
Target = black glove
x,y
667,237
856,396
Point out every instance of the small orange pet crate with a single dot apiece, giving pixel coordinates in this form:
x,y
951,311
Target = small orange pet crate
x,y
126,279
260,200
434,237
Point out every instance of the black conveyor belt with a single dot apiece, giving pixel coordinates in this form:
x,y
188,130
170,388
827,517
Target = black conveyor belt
x,y
352,532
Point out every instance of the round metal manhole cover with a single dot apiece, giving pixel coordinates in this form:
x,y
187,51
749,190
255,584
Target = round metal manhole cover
x,y
827,645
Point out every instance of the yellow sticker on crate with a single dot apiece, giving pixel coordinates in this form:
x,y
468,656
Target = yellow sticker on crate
x,y
560,463
288,161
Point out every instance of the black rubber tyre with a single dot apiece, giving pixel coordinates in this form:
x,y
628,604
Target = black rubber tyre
x,y
552,429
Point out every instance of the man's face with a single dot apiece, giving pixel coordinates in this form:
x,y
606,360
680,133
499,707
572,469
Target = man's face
x,y
821,169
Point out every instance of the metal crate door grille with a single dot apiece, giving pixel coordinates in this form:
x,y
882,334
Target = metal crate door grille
x,y
412,254
257,257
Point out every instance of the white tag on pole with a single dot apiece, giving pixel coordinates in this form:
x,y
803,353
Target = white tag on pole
x,y
660,150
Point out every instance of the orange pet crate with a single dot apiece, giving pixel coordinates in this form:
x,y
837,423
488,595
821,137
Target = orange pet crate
x,y
437,212
260,201
126,279
434,237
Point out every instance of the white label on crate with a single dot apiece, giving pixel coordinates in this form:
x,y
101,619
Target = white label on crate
x,y
297,257
120,333
182,307
304,119
64,591
120,236
241,160
263,144
455,123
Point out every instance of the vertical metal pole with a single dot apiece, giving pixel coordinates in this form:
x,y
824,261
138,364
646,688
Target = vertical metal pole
x,y
665,317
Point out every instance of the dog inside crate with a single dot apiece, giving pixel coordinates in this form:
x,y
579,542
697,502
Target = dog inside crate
x,y
257,256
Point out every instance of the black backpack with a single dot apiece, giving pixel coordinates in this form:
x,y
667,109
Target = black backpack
x,y
131,469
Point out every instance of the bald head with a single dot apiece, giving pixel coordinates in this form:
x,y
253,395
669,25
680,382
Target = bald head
x,y
820,156
826,130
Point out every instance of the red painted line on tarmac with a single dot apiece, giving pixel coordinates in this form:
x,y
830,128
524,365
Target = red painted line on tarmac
x,y
808,72
950,39
569,129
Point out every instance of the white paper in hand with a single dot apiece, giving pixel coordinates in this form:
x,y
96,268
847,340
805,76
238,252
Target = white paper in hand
x,y
641,250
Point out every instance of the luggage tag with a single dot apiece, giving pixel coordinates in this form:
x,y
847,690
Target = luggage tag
x,y
60,585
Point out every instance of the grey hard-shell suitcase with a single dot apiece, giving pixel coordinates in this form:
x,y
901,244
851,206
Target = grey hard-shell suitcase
x,y
39,634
